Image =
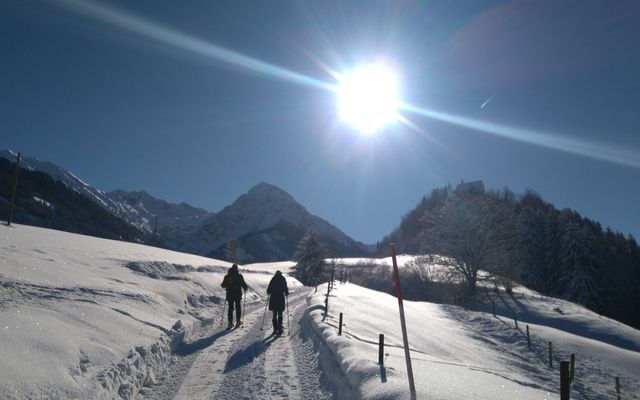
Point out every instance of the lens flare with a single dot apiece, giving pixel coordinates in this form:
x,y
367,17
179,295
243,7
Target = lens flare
x,y
169,36
367,98
591,149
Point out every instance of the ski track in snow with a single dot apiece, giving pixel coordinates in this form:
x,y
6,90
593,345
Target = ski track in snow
x,y
247,363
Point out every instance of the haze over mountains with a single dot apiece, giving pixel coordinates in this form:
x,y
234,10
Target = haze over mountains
x,y
265,224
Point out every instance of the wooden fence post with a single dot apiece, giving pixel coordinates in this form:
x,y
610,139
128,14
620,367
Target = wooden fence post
x,y
493,307
14,187
515,319
565,387
573,365
381,349
550,355
618,396
333,271
340,326
528,338
326,306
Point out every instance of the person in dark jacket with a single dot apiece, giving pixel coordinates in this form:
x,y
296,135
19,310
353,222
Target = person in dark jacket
x,y
234,283
278,290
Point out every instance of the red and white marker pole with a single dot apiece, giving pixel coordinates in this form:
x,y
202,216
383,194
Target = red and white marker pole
x,y
405,339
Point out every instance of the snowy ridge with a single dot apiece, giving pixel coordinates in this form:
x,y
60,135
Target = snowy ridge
x,y
141,206
73,182
61,174
137,208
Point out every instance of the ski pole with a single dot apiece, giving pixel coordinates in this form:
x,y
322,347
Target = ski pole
x,y
224,307
265,312
288,323
244,304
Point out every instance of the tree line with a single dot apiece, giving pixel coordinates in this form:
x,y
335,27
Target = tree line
x,y
525,239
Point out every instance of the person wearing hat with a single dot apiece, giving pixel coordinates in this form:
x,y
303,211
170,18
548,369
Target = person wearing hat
x,y
233,282
278,290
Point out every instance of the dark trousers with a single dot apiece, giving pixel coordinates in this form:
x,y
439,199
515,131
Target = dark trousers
x,y
235,302
277,320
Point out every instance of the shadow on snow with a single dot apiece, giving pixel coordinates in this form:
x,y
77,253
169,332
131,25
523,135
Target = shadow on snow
x,y
189,348
248,354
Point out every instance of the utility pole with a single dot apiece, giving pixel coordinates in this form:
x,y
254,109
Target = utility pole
x,y
405,339
14,186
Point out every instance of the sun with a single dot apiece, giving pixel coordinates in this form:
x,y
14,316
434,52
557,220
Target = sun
x,y
368,98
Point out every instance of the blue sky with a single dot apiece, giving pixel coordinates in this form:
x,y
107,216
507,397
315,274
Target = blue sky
x,y
127,110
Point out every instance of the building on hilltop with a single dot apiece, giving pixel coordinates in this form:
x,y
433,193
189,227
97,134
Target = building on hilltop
x,y
470,188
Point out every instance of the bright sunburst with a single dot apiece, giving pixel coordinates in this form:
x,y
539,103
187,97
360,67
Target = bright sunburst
x,y
368,99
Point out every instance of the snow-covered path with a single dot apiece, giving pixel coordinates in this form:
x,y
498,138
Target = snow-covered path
x,y
247,363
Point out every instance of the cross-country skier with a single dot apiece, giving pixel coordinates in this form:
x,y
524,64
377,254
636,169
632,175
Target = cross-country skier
x,y
234,283
277,289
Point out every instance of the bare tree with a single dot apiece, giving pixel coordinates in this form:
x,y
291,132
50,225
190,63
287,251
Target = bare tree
x,y
472,233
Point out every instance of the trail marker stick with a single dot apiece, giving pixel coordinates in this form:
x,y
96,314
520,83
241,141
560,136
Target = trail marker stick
x,y
14,186
224,308
244,303
405,339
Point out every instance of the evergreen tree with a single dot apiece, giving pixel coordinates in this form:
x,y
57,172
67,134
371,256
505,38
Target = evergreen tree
x,y
553,266
579,263
533,246
310,254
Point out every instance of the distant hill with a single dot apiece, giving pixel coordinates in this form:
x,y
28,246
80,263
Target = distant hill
x,y
557,252
43,201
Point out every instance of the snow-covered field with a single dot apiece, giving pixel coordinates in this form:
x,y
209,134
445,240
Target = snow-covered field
x,y
461,354
82,317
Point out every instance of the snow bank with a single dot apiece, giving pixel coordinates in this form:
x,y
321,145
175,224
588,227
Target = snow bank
x,y
71,306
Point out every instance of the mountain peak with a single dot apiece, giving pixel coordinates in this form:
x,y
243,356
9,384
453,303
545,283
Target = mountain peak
x,y
263,191
264,187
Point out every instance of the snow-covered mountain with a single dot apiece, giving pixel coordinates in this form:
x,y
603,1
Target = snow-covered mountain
x,y
137,208
175,221
268,223
146,207
65,176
